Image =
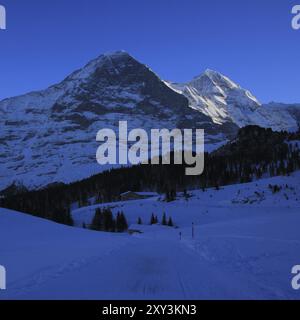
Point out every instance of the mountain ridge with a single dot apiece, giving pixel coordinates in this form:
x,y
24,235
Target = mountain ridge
x,y
48,136
218,97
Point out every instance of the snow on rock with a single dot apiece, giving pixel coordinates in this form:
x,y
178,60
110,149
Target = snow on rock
x,y
49,136
218,97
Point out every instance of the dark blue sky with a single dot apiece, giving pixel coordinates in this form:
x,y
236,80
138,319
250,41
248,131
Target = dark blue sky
x,y
251,41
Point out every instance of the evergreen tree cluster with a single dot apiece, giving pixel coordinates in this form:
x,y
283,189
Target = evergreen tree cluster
x,y
104,221
275,188
167,222
256,152
153,219
170,194
164,221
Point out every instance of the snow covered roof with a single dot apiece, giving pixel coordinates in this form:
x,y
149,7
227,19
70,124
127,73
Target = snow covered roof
x,y
146,194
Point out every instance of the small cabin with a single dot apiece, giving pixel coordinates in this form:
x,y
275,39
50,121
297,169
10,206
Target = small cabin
x,y
131,195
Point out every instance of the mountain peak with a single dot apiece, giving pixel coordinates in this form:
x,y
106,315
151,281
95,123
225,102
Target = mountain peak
x,y
210,72
118,53
219,79
115,56
212,82
109,60
218,97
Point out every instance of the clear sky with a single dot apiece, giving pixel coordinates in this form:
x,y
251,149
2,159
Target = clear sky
x,y
251,41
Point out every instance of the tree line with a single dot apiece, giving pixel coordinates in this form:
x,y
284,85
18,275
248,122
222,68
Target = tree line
x,y
104,220
256,152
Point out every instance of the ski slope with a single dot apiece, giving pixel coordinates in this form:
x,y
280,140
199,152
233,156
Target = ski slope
x,y
242,249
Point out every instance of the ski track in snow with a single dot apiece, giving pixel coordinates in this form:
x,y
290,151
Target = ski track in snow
x,y
34,281
145,269
239,251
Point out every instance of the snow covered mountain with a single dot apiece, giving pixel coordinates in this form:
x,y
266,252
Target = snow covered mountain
x,y
49,136
218,97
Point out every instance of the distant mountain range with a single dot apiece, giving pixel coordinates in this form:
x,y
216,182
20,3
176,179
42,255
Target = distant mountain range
x,y
49,136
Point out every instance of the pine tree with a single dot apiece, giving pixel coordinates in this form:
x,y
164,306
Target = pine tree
x,y
98,220
68,220
185,193
108,220
164,220
62,215
167,195
118,223
173,194
121,222
170,222
152,220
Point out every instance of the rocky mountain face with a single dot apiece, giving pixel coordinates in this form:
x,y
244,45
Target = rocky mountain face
x,y
49,136
216,96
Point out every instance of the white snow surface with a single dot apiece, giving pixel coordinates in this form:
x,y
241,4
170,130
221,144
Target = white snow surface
x,y
246,242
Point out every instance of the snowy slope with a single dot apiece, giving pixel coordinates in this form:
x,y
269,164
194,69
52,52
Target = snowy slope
x,y
35,251
252,195
241,250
